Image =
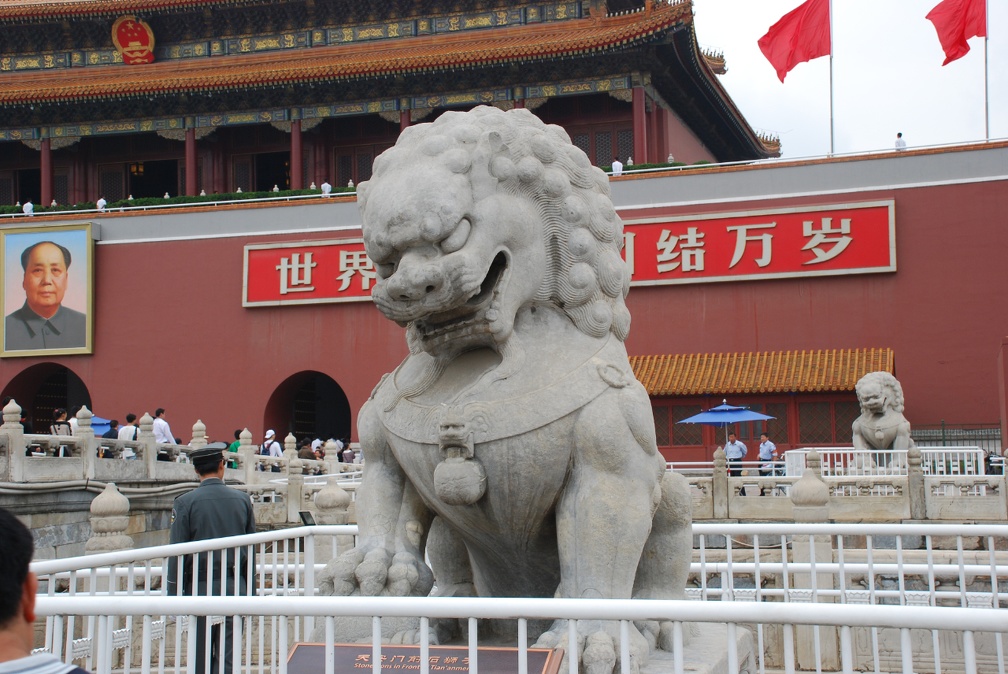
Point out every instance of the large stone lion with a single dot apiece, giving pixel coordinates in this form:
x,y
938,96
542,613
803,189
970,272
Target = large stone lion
x,y
514,443
881,424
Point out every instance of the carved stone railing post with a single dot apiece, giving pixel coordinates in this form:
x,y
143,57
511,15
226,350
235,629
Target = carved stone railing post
x,y
916,489
332,504
719,485
89,448
295,479
247,453
148,443
198,435
332,458
16,445
810,497
109,521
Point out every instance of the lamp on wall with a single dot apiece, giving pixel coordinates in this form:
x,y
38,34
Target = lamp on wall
x,y
136,168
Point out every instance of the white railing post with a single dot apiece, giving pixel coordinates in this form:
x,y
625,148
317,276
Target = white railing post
x,y
88,446
149,445
16,445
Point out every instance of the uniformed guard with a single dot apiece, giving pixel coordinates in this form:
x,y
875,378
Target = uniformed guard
x,y
212,510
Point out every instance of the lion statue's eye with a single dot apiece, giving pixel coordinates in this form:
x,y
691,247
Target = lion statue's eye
x,y
454,241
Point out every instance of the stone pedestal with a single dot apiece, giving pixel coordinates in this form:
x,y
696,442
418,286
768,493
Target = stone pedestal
x,y
707,653
109,520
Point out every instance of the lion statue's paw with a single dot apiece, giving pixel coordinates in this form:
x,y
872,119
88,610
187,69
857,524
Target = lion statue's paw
x,y
598,645
376,572
660,634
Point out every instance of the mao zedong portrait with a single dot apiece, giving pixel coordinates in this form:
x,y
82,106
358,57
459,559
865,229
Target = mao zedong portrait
x,y
43,322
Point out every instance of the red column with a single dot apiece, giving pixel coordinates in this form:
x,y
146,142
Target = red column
x,y
654,117
47,176
1002,371
191,172
296,177
405,119
519,103
664,144
640,143
79,179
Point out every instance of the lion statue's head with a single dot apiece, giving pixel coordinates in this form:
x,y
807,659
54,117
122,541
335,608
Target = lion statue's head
x,y
878,392
477,214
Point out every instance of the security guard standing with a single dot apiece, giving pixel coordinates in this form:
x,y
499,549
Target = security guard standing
x,y
212,510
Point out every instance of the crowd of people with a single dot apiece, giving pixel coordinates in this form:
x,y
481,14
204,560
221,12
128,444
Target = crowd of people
x,y
65,424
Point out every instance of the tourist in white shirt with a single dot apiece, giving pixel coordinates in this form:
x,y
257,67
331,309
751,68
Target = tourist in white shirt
x,y
162,431
767,455
734,451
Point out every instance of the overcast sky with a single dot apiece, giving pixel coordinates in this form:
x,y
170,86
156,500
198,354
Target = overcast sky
x,y
887,76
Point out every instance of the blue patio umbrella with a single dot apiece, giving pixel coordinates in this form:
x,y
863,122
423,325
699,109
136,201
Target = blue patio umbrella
x,y
725,415
99,425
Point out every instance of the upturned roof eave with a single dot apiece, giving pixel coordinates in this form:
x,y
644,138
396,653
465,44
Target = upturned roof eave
x,y
345,62
36,11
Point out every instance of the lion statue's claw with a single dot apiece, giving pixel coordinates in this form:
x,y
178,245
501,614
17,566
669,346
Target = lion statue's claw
x,y
598,645
376,572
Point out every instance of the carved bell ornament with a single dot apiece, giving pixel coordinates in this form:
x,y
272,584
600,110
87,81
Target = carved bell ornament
x,y
460,478
460,481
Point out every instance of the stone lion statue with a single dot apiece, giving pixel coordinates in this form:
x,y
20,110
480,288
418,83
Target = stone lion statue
x,y
881,424
513,443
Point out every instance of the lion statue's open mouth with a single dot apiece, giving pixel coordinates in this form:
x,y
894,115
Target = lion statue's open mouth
x,y
471,319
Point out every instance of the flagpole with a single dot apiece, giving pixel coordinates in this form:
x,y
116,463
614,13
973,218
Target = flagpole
x,y
986,70
831,143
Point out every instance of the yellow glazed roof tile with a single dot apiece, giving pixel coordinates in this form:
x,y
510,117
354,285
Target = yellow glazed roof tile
x,y
759,372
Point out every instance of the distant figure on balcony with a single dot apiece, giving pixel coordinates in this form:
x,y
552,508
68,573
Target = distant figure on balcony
x,y
900,143
326,188
18,588
212,510
617,167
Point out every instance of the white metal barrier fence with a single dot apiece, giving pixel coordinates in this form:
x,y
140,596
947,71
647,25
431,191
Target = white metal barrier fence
x,y
813,597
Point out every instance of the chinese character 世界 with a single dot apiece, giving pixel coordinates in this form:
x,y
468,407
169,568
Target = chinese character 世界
x,y
295,275
742,237
355,261
691,251
826,235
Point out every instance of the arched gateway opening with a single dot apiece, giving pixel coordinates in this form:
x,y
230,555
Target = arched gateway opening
x,y
309,404
41,388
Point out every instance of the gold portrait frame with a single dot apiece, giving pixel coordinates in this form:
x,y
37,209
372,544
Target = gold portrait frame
x,y
20,336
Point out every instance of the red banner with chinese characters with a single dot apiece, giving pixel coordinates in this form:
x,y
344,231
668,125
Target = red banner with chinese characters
x,y
752,245
307,272
780,243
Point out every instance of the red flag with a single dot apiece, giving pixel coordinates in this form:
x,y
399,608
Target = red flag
x,y
957,21
801,35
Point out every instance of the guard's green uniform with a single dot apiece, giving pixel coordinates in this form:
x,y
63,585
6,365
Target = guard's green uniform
x,y
212,510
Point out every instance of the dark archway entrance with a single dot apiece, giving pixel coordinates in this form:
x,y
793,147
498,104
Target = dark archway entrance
x,y
41,388
309,404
